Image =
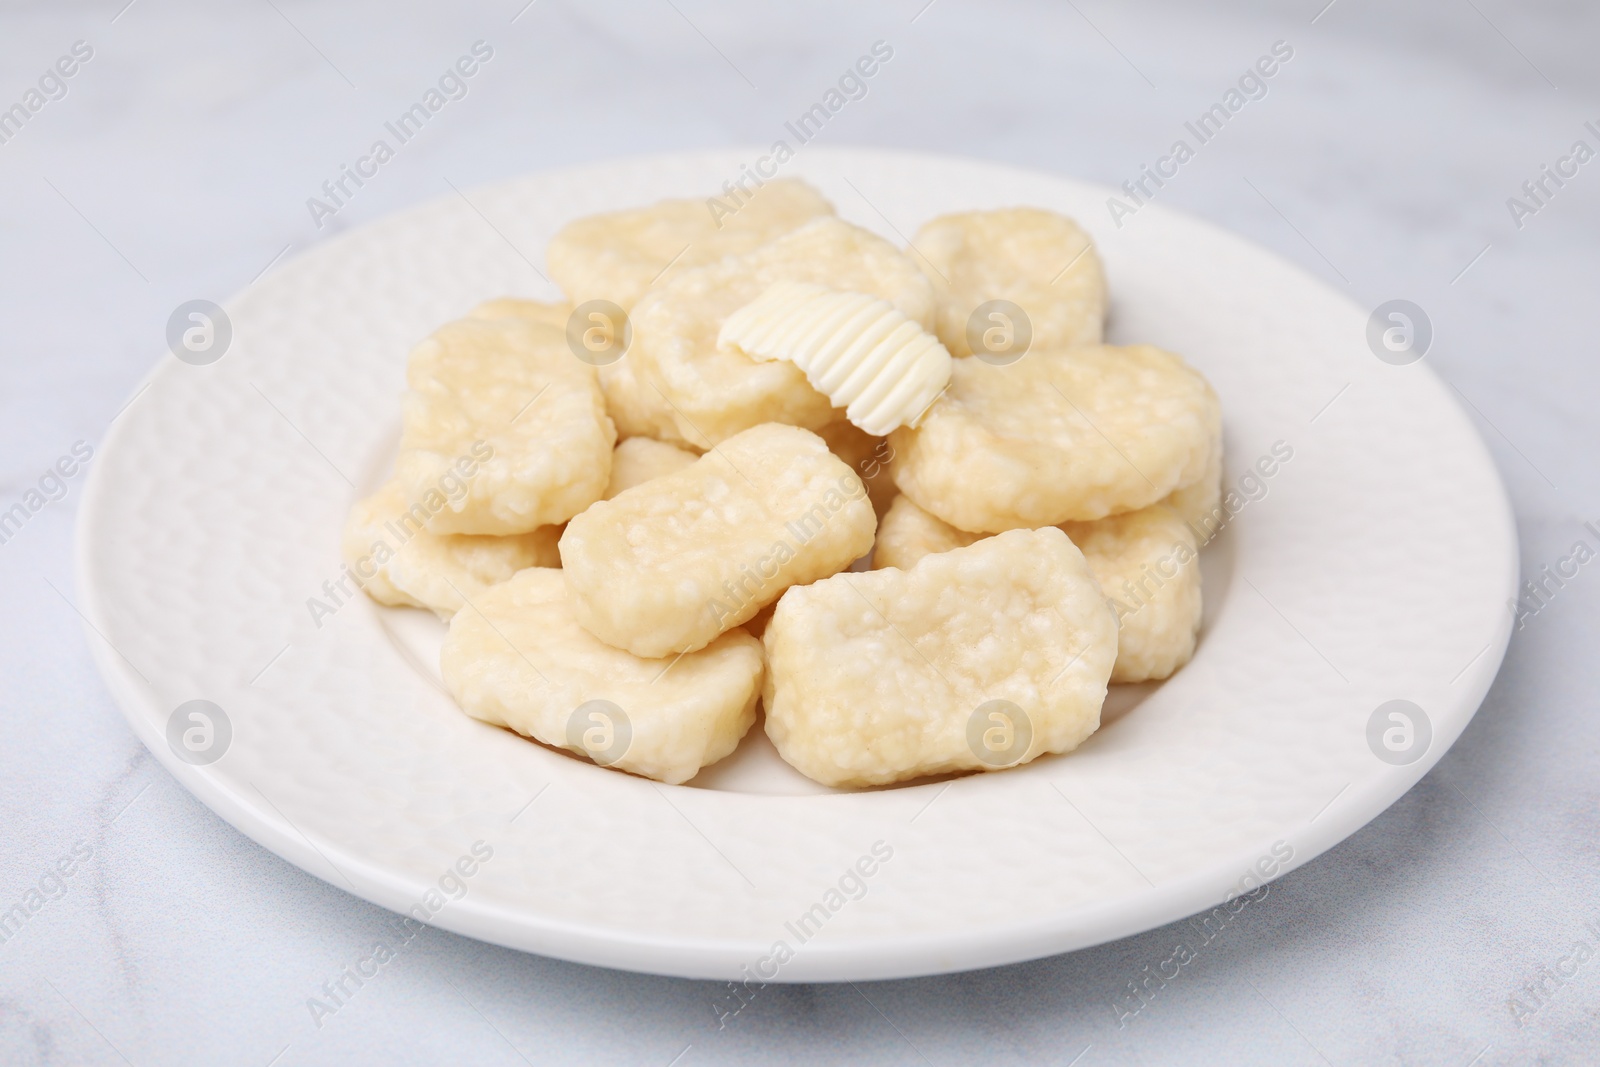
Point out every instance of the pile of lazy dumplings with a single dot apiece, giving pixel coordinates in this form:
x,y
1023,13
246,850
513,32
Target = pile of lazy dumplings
x,y
904,500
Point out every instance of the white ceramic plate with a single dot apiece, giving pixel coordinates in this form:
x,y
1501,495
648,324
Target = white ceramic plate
x,y
1373,565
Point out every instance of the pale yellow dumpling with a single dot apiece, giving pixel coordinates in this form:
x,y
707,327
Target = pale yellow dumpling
x,y
508,393
868,456
675,383
1146,561
517,658
509,307
1058,437
1148,565
641,459
907,533
619,255
399,562
668,565
974,659
1200,502
1038,260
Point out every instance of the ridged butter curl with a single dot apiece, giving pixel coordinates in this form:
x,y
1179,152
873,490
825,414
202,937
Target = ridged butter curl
x,y
863,354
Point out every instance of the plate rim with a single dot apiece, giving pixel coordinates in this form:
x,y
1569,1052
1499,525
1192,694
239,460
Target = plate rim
x,y
693,956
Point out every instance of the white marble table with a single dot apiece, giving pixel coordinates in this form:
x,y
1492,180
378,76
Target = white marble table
x,y
176,164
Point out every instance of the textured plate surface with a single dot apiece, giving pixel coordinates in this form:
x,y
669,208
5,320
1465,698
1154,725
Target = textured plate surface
x,y
1373,565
